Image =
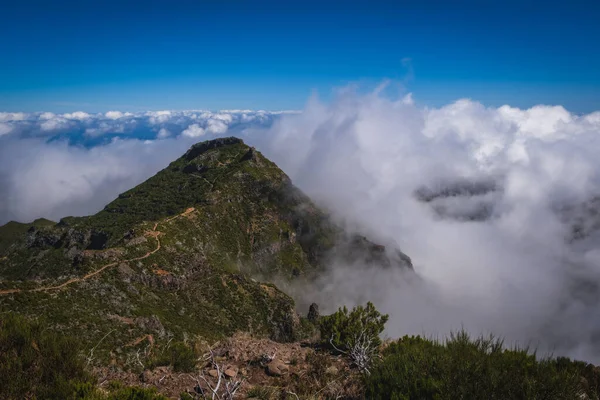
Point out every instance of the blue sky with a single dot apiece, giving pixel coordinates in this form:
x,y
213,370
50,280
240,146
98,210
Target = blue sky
x,y
102,55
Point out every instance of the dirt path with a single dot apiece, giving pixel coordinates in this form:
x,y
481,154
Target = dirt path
x,y
154,233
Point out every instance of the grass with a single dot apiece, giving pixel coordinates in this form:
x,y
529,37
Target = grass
x,y
37,363
264,393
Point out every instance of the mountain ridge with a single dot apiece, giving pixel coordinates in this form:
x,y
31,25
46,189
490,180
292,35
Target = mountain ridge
x,y
177,255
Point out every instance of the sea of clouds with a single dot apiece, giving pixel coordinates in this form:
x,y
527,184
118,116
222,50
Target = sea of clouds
x,y
53,165
499,208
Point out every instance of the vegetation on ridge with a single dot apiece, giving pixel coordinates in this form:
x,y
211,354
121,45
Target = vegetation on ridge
x,y
177,256
37,363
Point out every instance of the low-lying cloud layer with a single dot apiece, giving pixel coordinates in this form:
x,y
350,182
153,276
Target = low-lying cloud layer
x,y
499,208
54,165
82,128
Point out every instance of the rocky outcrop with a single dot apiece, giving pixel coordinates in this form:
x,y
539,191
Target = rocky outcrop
x,y
358,249
313,313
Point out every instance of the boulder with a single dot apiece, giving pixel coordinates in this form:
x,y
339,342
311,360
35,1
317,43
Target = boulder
x,y
213,373
277,368
146,376
231,372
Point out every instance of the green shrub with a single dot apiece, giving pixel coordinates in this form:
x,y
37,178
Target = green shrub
x,y
466,368
306,330
179,355
355,334
343,328
183,357
37,363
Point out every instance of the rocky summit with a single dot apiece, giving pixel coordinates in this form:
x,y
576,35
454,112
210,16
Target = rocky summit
x,y
188,253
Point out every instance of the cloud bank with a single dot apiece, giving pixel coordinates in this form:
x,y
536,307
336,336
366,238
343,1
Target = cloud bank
x,y
92,129
499,208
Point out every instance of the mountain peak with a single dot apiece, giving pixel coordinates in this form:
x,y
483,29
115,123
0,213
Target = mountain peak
x,y
202,147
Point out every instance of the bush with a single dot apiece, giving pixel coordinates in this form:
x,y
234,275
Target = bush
x,y
180,356
306,330
356,334
183,358
343,328
465,368
37,363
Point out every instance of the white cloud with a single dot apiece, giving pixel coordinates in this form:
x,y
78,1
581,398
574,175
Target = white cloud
x,y
7,116
117,114
163,133
225,118
194,130
5,128
54,124
118,122
216,126
47,115
158,117
78,115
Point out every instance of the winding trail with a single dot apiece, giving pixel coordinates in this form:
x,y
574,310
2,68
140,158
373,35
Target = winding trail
x,y
154,232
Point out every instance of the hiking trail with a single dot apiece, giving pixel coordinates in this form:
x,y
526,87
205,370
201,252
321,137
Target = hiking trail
x,y
154,233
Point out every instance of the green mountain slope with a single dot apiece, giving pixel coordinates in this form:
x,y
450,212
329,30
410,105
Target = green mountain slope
x,y
176,255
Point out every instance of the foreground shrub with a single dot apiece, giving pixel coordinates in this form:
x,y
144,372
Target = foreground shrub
x,y
37,363
355,333
343,328
466,368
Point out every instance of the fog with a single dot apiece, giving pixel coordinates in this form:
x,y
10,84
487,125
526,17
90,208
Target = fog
x,y
495,206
